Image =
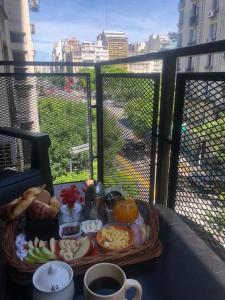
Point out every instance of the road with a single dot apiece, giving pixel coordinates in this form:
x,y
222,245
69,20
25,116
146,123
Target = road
x,y
136,163
192,201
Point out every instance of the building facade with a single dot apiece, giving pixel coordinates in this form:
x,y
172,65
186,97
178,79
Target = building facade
x,y
18,95
115,42
101,53
19,100
155,43
88,51
201,21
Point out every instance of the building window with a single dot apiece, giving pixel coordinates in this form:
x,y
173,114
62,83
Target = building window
x,y
194,15
181,17
215,5
212,32
209,62
189,64
19,55
192,36
179,40
17,37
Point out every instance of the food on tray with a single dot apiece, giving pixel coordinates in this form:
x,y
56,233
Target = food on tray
x,y
125,211
141,233
41,210
74,249
70,230
91,226
37,251
14,209
114,237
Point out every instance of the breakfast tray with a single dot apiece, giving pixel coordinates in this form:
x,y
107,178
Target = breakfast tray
x,y
21,272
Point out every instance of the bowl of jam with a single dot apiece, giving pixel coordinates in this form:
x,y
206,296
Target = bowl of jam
x,y
70,230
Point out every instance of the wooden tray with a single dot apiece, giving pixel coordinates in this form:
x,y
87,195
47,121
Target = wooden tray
x,y
21,272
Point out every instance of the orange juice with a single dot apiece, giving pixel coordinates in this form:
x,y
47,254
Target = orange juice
x,y
125,211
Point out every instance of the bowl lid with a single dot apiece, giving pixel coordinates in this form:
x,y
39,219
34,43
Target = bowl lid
x,y
52,276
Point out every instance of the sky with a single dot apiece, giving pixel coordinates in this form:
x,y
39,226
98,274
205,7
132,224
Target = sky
x,y
85,19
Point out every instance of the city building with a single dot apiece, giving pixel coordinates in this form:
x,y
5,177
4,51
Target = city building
x,y
115,42
18,95
200,22
66,50
137,48
70,50
101,54
146,66
158,42
88,52
19,100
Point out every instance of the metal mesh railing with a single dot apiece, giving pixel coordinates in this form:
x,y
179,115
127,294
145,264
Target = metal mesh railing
x,y
58,104
130,104
200,190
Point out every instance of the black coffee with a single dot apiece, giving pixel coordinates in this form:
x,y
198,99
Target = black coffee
x,y
104,286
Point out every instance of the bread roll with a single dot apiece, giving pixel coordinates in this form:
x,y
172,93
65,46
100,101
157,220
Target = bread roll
x,y
14,209
40,210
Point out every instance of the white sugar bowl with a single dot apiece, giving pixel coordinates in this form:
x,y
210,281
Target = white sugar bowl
x,y
53,281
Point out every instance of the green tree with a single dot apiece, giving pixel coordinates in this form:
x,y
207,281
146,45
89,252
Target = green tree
x,y
213,132
104,69
66,124
139,112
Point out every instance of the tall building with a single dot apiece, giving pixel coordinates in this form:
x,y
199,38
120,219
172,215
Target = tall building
x,y
157,42
66,50
137,48
19,100
101,54
70,50
88,52
200,22
115,42
18,96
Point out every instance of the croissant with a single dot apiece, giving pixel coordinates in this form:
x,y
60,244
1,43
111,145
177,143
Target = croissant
x,y
14,209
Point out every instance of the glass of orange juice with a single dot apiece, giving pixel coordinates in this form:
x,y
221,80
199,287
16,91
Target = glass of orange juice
x,y
125,211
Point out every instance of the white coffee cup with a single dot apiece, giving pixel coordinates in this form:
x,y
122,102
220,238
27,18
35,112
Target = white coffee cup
x,y
112,271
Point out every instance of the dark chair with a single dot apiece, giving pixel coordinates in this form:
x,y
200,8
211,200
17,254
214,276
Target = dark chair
x,y
15,180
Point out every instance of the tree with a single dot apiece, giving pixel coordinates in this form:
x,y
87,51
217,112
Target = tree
x,y
66,124
213,132
139,113
105,69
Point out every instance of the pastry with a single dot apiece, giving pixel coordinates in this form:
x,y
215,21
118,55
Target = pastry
x,y
14,209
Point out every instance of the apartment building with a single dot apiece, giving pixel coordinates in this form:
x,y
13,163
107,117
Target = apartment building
x,y
201,21
88,51
155,43
70,50
137,48
115,42
18,95
20,98
101,54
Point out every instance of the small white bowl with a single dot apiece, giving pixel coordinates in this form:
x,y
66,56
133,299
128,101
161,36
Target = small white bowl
x,y
74,236
90,232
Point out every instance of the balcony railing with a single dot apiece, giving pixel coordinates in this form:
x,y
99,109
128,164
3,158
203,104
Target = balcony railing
x,y
167,149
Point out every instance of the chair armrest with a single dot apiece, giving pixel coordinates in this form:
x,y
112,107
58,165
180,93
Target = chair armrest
x,y
39,157
23,134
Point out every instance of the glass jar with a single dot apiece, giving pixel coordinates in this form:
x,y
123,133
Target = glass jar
x,y
125,211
